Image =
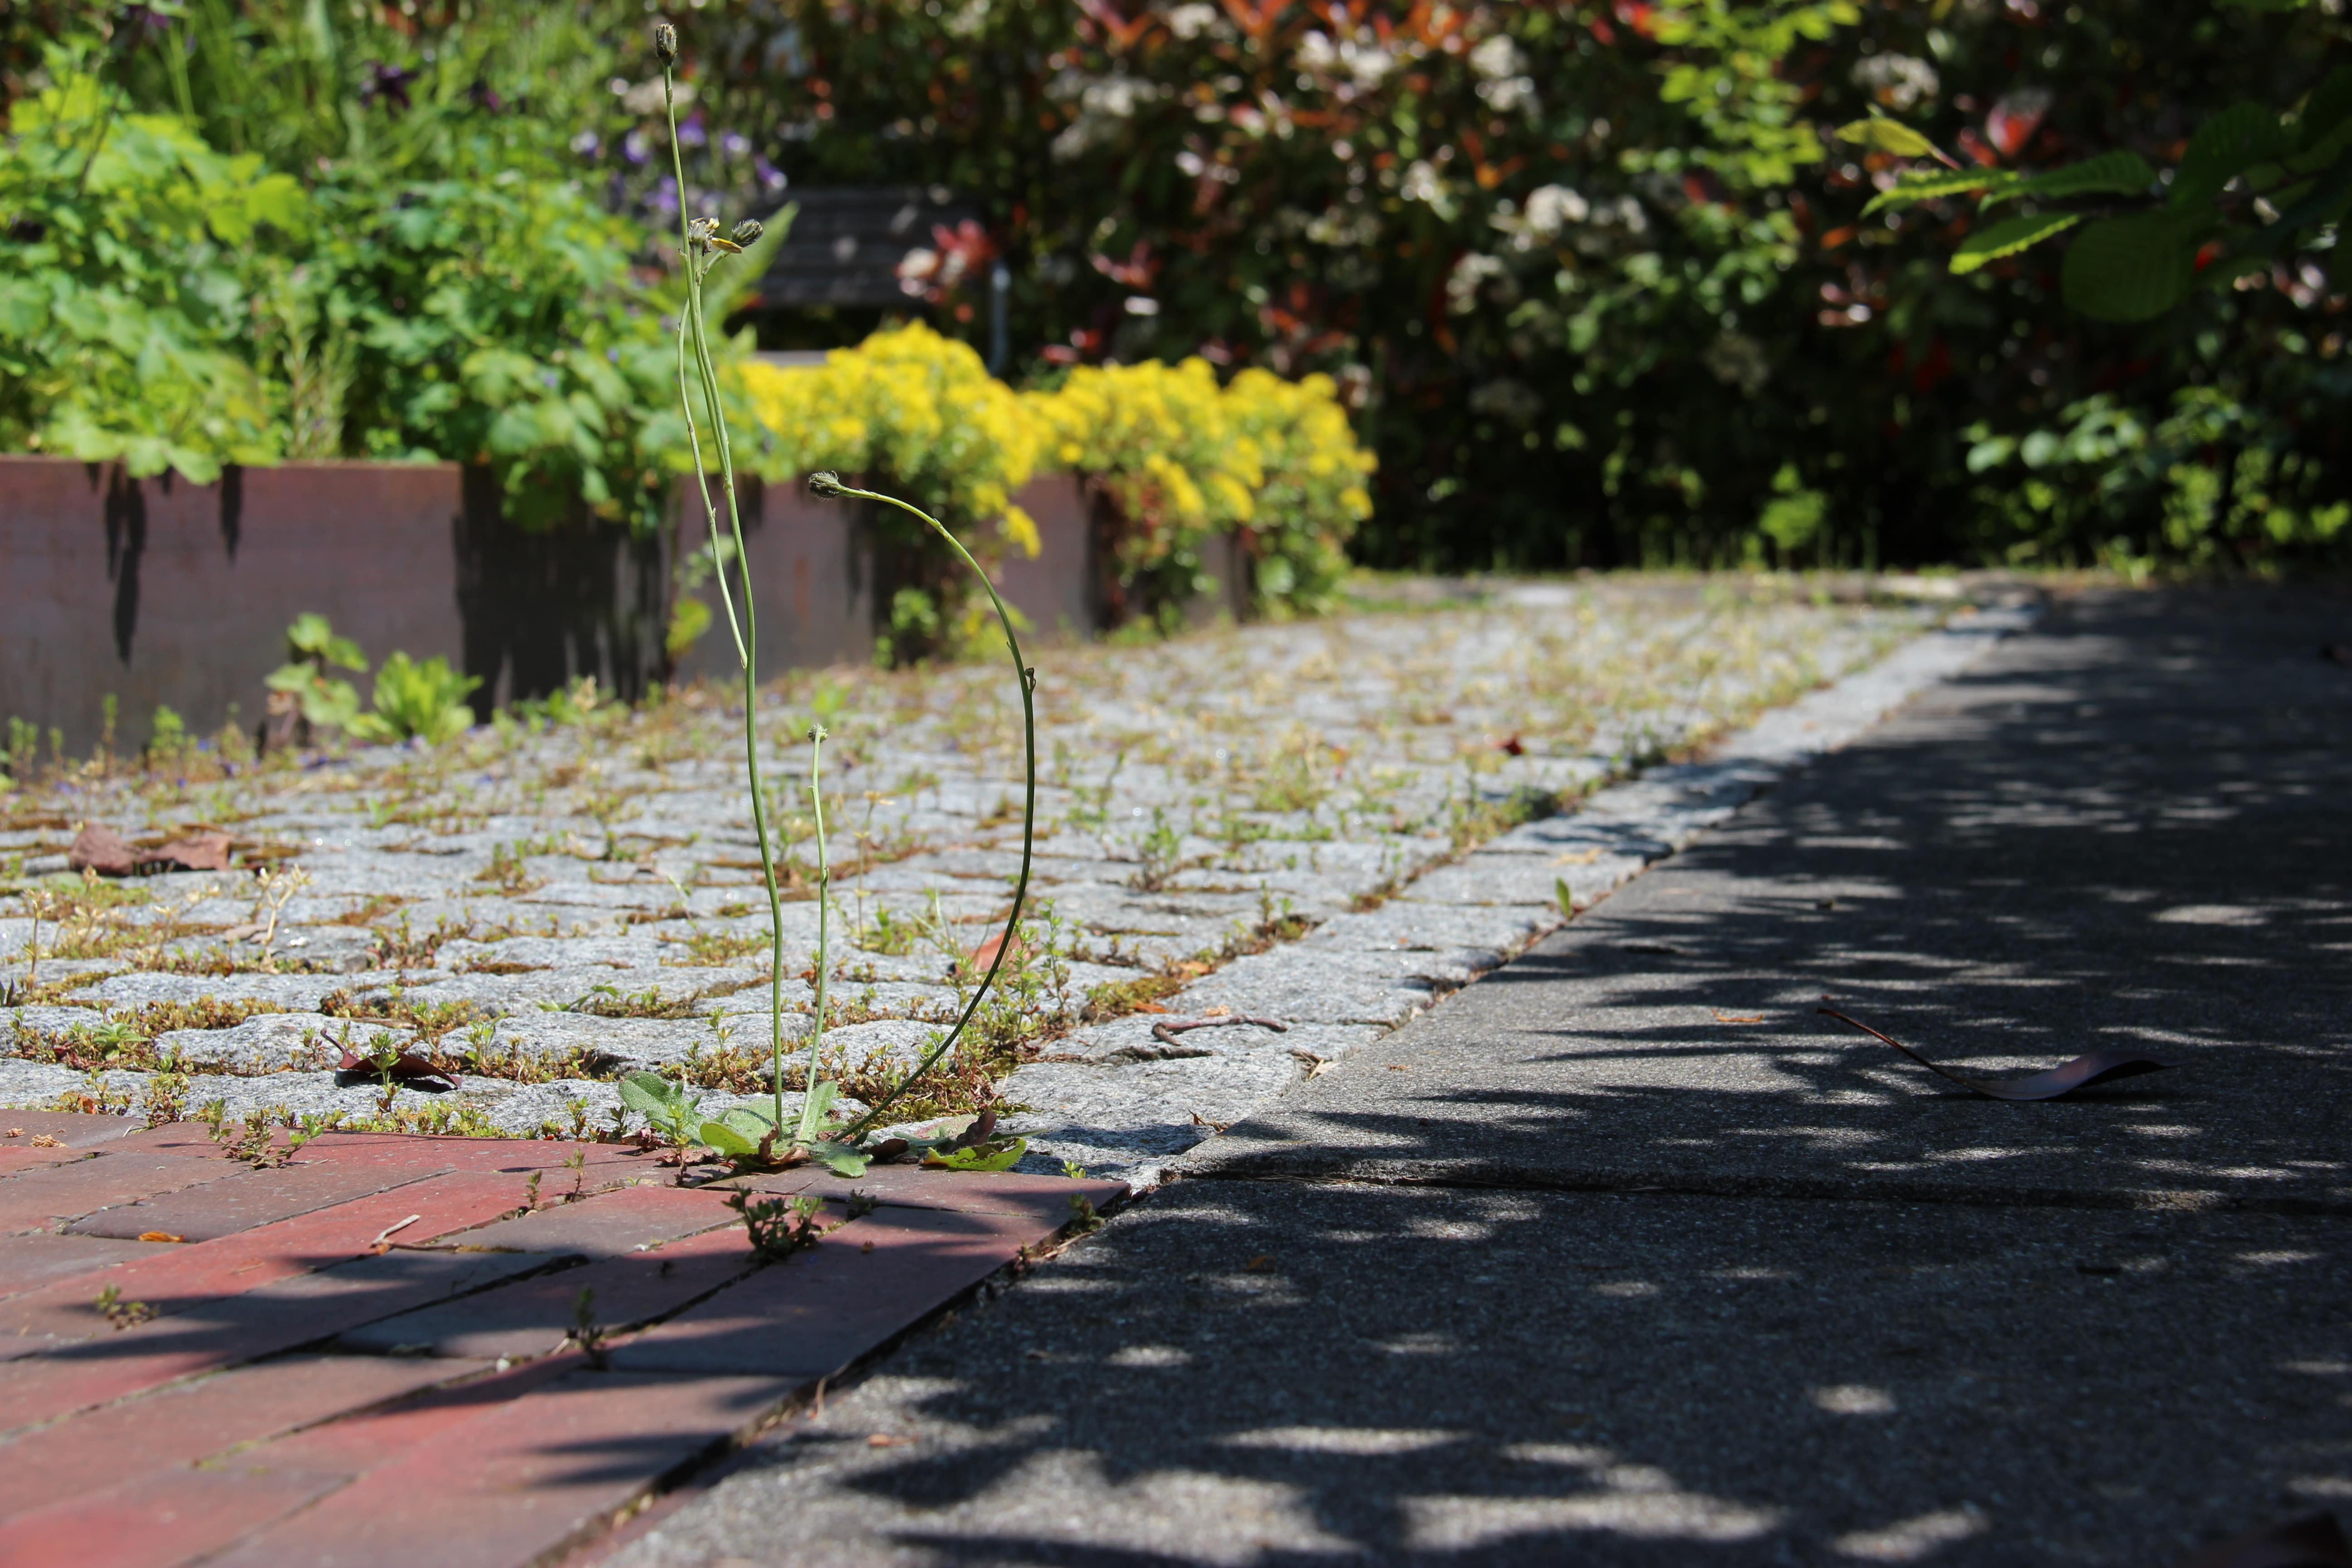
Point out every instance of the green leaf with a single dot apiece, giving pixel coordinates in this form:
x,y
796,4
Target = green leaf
x,y
2226,145
2123,173
839,1158
650,1094
751,1122
2008,238
2326,109
2130,269
726,1139
998,1155
1882,135
1915,188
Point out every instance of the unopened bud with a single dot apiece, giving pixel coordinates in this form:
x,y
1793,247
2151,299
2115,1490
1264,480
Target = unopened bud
x,y
666,43
825,484
749,229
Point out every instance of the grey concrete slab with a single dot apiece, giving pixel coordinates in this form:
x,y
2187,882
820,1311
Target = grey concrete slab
x,y
1261,1373
2131,828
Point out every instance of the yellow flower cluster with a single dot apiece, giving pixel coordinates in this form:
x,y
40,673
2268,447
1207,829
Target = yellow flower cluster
x,y
911,405
1183,459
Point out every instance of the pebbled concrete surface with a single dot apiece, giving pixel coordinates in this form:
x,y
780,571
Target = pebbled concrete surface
x,y
1601,1277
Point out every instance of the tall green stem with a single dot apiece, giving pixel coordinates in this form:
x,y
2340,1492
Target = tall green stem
x,y
823,940
746,639
827,484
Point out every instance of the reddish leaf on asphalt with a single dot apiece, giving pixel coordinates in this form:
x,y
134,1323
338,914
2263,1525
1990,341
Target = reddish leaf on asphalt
x,y
2095,1067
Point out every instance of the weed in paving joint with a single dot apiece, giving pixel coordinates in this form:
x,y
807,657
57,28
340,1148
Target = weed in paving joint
x,y
703,248
122,1314
778,1226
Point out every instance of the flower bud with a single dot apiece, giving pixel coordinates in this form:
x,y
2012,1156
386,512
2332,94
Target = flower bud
x,y
749,229
666,43
825,484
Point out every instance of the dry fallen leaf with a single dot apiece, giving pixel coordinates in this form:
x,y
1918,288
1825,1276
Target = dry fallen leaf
x,y
1396,1068
1579,856
43,1141
1218,1013
1260,1264
15,1132
159,1235
1723,1018
888,1440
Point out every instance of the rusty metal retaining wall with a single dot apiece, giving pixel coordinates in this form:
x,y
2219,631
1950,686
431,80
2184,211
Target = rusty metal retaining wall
x,y
161,593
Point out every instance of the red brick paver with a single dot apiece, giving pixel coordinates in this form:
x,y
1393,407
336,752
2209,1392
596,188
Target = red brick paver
x,y
363,1356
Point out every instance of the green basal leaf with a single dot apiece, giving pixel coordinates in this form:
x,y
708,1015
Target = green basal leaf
x,y
650,1094
727,1140
750,1121
839,1158
993,1155
2008,238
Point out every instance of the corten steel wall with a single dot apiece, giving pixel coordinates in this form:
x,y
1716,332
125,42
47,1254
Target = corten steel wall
x,y
158,591
161,592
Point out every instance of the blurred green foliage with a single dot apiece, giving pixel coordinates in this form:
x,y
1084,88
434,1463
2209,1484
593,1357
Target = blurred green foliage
x,y
1597,279
317,229
1596,274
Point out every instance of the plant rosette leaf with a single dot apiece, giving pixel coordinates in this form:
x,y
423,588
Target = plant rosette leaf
x,y
987,1155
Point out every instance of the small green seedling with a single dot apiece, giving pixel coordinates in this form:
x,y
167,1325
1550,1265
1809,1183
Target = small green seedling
x,y
122,1314
588,1333
779,1227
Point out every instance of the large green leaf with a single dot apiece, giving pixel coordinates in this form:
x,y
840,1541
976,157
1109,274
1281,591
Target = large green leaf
x,y
2327,108
2225,146
2130,269
2123,173
2008,238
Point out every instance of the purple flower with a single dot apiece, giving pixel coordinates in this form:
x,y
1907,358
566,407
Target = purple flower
x,y
587,143
635,148
389,83
734,143
664,199
690,133
770,175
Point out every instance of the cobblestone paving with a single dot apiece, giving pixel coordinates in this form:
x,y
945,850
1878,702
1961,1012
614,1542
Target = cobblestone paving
x,y
1266,823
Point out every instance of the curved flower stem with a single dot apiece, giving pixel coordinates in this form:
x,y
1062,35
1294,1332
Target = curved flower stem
x,y
825,484
747,641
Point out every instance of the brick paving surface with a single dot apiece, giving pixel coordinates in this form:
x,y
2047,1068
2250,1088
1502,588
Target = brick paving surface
x,y
370,1354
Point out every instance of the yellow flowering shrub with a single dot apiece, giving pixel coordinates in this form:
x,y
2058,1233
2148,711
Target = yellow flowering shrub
x,y
1311,497
914,408
1158,441
1179,459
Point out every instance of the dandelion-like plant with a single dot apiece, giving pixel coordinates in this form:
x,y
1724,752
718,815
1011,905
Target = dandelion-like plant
x,y
743,1133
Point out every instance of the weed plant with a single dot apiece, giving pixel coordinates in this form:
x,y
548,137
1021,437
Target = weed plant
x,y
702,249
